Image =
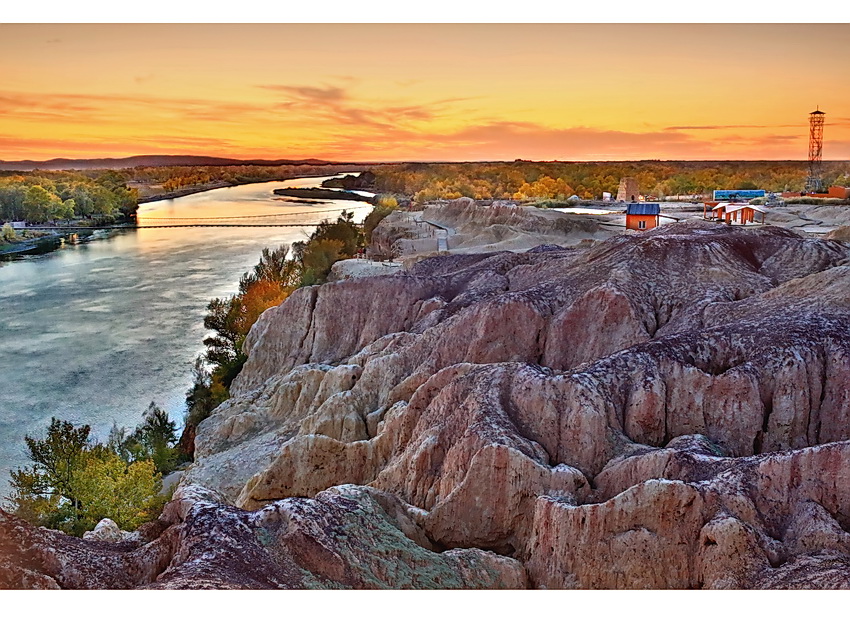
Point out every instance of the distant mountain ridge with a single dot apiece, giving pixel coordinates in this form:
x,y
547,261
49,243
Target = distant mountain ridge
x,y
142,161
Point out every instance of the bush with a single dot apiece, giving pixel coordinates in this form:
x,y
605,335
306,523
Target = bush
x,y
7,233
384,207
318,258
153,440
73,482
107,487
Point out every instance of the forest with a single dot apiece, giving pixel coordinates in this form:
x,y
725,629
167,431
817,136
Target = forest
x,y
176,178
523,180
106,196
43,196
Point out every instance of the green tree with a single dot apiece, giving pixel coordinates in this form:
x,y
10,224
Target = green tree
x,y
224,346
107,487
153,440
55,459
318,257
66,210
83,204
40,205
12,197
343,230
73,482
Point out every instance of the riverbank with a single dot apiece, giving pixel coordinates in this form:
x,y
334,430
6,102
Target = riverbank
x,y
214,185
325,193
54,240
41,244
94,332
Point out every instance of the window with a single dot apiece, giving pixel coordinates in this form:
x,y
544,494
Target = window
x,y
641,225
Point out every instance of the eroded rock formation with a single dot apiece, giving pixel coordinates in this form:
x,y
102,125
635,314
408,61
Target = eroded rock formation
x,y
664,410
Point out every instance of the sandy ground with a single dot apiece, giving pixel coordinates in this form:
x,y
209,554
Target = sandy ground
x,y
354,268
429,233
811,219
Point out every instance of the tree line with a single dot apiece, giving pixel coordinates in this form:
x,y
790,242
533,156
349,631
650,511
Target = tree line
x,y
43,196
175,178
521,180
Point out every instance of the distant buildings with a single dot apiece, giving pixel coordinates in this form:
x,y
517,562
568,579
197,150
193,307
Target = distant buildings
x,y
628,190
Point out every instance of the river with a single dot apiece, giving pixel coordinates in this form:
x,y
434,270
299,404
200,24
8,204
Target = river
x,y
94,332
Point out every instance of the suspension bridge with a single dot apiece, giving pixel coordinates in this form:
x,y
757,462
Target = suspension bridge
x,y
240,221
148,226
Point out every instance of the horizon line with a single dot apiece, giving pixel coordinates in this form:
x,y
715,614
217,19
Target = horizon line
x,y
399,161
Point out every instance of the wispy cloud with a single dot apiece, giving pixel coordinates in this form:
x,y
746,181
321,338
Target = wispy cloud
x,y
322,94
333,121
18,147
335,105
732,126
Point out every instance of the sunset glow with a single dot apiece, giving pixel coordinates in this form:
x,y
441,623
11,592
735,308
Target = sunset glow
x,y
422,92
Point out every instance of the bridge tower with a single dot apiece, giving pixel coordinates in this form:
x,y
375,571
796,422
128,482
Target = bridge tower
x,y
814,183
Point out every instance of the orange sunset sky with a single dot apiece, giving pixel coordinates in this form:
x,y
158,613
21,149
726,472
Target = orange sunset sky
x,y
423,92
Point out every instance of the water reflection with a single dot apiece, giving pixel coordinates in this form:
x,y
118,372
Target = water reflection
x,y
94,331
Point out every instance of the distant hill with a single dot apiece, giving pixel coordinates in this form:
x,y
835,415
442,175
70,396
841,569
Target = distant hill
x,y
138,161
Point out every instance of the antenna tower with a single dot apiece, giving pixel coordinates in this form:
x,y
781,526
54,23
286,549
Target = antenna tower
x,y
814,183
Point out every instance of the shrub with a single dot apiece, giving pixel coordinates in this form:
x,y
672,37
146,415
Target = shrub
x,y
73,482
384,207
7,233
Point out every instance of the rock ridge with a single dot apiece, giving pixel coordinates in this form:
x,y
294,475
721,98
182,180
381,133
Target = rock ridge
x,y
668,409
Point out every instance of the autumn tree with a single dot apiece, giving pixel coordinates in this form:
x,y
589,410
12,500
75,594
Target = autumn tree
x,y
7,233
72,482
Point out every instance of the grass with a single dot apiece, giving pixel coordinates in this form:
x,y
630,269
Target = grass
x,y
819,201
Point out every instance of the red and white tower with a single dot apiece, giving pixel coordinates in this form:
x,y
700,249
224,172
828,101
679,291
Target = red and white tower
x,y
814,183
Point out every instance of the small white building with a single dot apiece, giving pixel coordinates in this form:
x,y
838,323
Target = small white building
x,y
735,213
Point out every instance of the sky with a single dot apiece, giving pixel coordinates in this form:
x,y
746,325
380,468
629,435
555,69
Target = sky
x,y
359,92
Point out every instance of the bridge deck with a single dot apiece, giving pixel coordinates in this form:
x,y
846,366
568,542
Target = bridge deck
x,y
181,225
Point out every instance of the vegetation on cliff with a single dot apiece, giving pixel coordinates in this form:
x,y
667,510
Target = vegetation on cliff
x,y
73,481
273,279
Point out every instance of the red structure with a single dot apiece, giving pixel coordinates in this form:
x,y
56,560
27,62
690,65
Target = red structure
x,y
815,181
733,213
642,216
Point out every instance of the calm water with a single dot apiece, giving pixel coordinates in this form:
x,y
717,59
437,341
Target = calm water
x,y
94,332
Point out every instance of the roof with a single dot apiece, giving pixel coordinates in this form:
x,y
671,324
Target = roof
x,y
731,207
726,207
643,209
